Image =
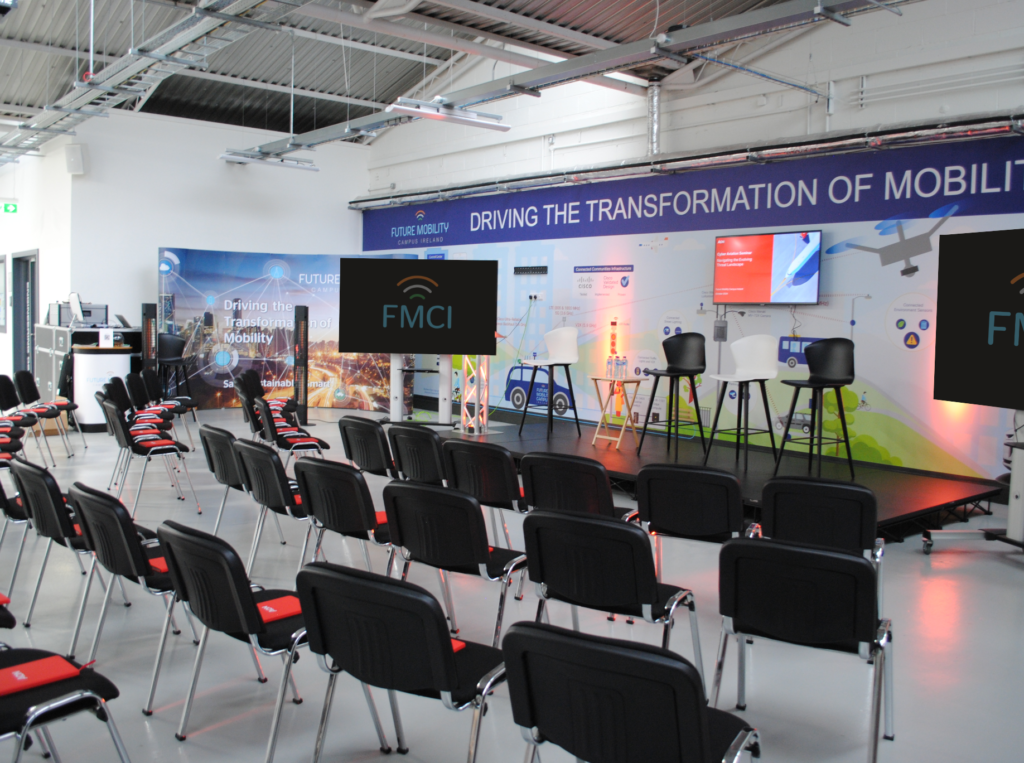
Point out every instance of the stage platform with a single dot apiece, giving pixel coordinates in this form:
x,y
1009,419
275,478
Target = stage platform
x,y
908,501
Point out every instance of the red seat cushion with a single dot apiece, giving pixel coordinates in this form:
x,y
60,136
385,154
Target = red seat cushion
x,y
301,440
382,517
29,675
458,646
159,564
278,609
156,443
4,601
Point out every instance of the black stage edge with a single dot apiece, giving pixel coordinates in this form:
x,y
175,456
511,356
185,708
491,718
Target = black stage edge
x,y
909,501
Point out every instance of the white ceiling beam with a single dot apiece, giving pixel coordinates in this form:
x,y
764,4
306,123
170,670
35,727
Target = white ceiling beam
x,y
345,42
322,12
11,108
281,89
535,25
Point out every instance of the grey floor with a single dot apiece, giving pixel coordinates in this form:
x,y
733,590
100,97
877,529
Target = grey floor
x,y
958,622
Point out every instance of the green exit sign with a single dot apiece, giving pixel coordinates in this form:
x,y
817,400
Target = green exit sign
x,y
10,208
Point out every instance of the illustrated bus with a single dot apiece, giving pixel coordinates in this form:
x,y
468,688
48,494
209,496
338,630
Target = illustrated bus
x,y
791,349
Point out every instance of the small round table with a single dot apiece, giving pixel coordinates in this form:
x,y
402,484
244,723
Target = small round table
x,y
606,414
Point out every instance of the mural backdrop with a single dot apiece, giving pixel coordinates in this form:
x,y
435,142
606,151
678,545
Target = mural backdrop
x,y
630,262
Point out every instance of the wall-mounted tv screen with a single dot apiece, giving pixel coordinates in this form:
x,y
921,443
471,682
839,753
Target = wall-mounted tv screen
x,y
768,268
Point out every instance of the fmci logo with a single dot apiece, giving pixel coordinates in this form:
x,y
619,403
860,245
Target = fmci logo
x,y
995,316
408,318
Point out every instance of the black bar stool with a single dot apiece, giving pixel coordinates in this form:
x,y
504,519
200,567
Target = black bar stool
x,y
684,356
830,362
756,361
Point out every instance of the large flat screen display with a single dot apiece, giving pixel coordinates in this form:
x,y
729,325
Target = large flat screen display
x,y
444,307
768,268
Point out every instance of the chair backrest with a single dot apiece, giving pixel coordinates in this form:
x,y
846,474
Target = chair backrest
x,y
685,352
13,508
606,700
137,391
595,562
108,530
690,501
254,383
220,456
384,632
25,383
756,356
151,379
263,474
366,446
207,573
268,428
169,347
417,453
438,526
795,593
41,494
485,471
554,482
830,360
8,393
116,422
117,392
562,344
337,495
245,399
838,515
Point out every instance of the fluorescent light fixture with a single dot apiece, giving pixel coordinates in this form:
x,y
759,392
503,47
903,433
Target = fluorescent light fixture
x,y
442,113
248,157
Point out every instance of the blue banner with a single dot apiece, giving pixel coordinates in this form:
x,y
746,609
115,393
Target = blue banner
x,y
982,177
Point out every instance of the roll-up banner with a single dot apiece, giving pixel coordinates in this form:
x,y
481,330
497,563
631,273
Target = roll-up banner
x,y
631,262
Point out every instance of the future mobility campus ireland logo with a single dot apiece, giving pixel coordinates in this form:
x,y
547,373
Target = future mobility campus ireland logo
x,y
420,229
404,316
995,317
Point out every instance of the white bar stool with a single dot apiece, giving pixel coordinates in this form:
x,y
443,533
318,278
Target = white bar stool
x,y
562,351
756,359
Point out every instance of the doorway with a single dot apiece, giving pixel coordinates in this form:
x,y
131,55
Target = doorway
x,y
25,310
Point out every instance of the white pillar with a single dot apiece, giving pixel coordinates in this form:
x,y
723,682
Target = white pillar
x,y
444,390
397,410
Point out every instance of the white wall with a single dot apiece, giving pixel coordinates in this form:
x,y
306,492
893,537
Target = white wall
x,y
580,125
155,181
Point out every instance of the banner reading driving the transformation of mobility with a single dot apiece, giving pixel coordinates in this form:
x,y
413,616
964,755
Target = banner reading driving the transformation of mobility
x,y
236,310
630,262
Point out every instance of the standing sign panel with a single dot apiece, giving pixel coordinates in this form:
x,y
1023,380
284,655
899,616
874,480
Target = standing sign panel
x,y
445,307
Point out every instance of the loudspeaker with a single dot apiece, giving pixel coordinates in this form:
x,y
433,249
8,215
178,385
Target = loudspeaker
x,y
74,158
300,376
149,335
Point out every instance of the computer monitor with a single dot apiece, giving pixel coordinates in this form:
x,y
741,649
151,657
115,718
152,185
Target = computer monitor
x,y
75,303
768,268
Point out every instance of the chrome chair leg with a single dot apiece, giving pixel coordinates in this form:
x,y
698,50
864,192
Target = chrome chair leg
x,y
180,734
17,561
657,556
191,625
256,539
78,426
474,732
716,685
184,468
138,492
531,753
220,511
876,702
148,709
124,594
698,656
397,718
325,714
277,524
366,554
275,724
44,732
46,442
505,583
448,603
39,581
381,737
741,681
261,677
890,730
103,617
305,545
81,610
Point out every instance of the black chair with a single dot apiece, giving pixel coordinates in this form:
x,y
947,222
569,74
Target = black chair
x,y
834,515
51,518
684,357
688,502
294,442
338,499
366,446
256,389
41,707
392,635
147,444
15,513
445,529
129,551
222,462
417,452
170,357
614,701
487,472
830,362
806,596
210,580
156,394
138,391
600,563
29,395
9,404
554,482
263,475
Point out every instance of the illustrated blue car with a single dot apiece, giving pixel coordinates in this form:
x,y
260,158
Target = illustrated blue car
x,y
791,349
518,384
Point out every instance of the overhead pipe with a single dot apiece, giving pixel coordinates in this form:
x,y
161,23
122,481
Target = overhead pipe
x,y
653,118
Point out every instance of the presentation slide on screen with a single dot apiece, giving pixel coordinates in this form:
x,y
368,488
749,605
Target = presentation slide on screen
x,y
780,268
